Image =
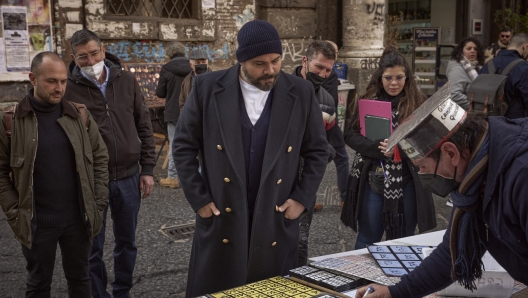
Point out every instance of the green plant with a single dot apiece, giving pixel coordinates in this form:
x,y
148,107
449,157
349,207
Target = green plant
x,y
509,17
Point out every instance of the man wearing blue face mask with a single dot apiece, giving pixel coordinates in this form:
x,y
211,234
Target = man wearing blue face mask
x,y
113,97
483,162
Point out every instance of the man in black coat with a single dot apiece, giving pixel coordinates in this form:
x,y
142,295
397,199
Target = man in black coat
x,y
251,124
316,67
169,87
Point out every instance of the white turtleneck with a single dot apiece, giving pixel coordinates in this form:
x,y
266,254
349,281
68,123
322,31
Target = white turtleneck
x,y
254,99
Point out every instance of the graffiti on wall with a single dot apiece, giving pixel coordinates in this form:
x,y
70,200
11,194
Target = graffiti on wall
x,y
155,53
148,52
247,15
376,10
369,63
288,25
367,24
213,54
293,49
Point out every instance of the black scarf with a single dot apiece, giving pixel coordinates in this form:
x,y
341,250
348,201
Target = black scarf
x,y
466,250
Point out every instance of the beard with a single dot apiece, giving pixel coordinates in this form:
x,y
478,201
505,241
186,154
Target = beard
x,y
259,82
47,97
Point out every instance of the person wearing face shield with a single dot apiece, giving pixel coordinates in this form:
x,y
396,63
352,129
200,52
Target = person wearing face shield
x,y
483,163
516,86
199,65
316,67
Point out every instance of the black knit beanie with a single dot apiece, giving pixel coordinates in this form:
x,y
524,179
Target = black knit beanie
x,y
257,38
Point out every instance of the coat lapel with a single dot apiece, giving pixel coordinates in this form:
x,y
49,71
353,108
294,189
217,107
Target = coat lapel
x,y
227,103
281,110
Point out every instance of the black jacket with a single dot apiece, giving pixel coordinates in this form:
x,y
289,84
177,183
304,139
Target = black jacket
x,y
169,86
122,117
516,87
223,256
330,85
326,101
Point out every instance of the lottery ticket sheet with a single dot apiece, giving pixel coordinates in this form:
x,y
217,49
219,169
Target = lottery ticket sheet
x,y
272,287
397,260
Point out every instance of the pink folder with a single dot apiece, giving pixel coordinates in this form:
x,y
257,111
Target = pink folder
x,y
374,108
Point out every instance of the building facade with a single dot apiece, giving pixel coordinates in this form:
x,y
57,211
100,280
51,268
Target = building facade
x,y
137,31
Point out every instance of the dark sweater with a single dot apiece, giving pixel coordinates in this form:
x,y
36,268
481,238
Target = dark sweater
x,y
254,143
55,187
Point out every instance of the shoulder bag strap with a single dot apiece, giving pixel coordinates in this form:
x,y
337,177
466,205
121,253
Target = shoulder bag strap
x,y
491,67
511,66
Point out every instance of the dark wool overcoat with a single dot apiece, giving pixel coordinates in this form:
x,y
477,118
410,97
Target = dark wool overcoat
x,y
225,253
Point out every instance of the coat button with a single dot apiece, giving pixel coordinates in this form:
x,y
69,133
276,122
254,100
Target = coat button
x,y
225,241
227,180
279,181
274,243
290,149
228,209
219,147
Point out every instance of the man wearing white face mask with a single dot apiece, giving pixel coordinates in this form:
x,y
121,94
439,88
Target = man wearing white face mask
x,y
113,97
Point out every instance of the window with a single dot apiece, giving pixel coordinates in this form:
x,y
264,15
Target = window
x,y
174,9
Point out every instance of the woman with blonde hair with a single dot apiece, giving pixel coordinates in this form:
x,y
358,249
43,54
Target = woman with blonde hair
x,y
384,193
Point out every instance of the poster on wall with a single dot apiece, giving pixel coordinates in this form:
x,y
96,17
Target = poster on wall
x,y
2,57
15,31
26,31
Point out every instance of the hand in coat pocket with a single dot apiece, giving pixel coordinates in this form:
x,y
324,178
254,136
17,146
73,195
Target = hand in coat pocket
x,y
292,209
208,210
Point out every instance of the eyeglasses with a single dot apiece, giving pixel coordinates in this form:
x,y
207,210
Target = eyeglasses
x,y
505,36
84,58
398,79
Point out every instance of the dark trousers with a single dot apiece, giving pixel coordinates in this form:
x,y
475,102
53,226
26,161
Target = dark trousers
x,y
341,163
370,224
75,250
124,204
305,220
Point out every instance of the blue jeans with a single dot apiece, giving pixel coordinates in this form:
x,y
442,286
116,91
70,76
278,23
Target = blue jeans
x,y
75,250
124,203
171,129
370,224
341,163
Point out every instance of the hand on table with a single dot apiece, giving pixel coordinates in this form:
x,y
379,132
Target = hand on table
x,y
291,208
383,147
379,292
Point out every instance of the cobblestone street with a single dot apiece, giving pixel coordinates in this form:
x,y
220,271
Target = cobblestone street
x,y
161,267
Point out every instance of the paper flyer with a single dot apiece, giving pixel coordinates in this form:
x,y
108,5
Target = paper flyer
x,y
16,38
14,23
3,68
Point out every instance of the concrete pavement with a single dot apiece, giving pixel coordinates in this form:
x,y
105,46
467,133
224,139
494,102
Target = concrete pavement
x,y
161,266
